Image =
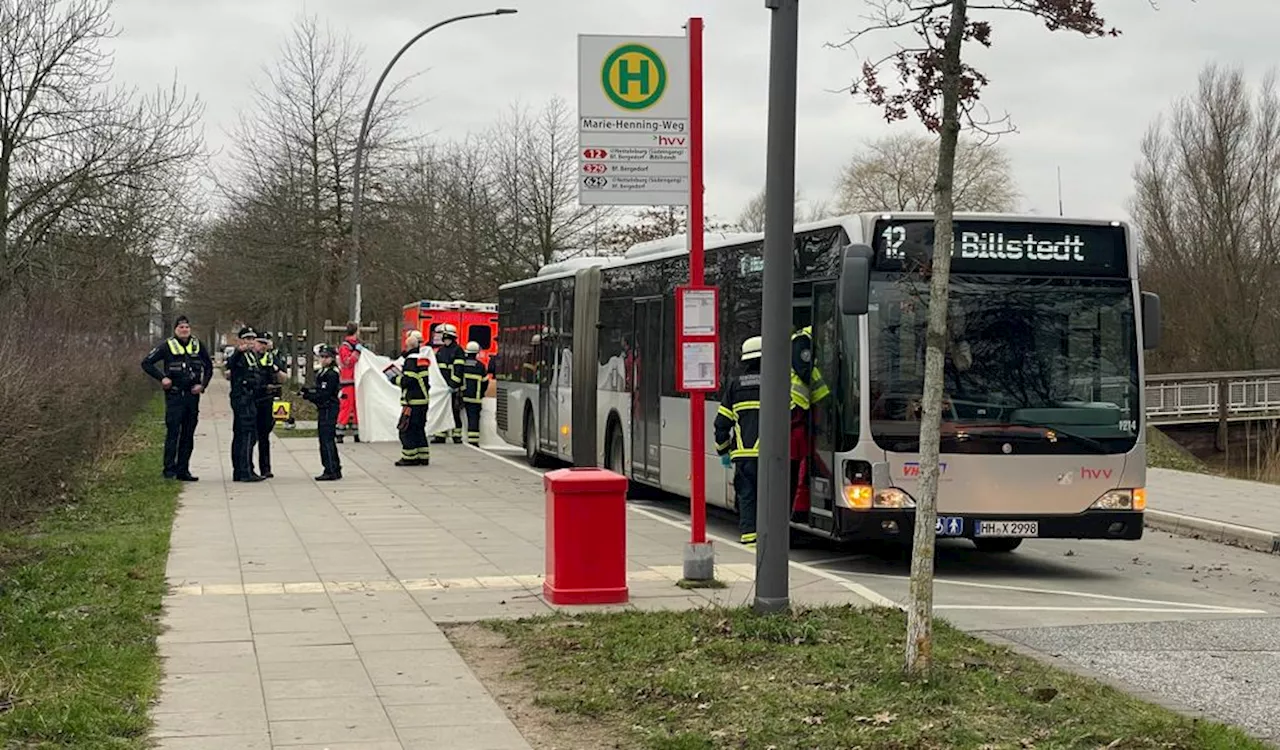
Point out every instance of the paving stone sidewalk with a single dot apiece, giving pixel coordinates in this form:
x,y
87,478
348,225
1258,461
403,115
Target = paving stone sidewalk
x,y
306,615
1237,501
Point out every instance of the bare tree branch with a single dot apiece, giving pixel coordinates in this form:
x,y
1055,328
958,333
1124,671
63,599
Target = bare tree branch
x,y
898,173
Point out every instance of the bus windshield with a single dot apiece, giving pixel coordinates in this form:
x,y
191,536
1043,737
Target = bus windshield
x,y
1032,365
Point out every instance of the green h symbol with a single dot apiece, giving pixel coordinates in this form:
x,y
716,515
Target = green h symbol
x,y
626,76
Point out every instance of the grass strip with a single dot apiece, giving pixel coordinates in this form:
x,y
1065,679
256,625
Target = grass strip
x,y
824,678
1165,453
80,602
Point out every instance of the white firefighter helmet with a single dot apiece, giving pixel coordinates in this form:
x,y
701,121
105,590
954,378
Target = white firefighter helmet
x,y
413,338
473,347
448,330
751,348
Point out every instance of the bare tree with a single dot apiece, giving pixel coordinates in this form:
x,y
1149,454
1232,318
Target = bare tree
x,y
96,192
751,218
899,173
648,224
1207,207
287,192
537,178
76,155
943,90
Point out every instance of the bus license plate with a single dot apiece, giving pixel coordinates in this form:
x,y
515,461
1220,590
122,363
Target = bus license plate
x,y
1007,528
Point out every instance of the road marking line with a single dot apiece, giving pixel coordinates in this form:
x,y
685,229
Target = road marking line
x,y
1063,592
832,560
1021,608
857,588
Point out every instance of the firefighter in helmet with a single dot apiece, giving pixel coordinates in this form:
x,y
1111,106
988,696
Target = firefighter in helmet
x,y
737,428
471,374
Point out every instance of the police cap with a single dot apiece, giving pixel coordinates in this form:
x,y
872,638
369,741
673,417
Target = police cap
x,y
248,333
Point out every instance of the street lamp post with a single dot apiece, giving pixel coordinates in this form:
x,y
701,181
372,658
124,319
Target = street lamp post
x,y
353,264
773,501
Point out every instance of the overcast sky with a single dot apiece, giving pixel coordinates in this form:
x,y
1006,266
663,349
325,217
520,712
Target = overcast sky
x,y
1079,104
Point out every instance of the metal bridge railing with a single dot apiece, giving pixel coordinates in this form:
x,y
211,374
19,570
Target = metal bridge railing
x,y
1213,396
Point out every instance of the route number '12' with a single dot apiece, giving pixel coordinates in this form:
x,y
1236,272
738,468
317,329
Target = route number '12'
x,y
595,153
893,239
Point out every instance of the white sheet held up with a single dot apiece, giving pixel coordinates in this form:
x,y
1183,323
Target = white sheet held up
x,y
378,401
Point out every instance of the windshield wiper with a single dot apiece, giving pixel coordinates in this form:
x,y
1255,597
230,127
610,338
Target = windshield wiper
x,y
1011,431
1097,445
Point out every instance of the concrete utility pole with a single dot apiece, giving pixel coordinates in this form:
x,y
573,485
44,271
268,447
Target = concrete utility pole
x,y
774,506
353,262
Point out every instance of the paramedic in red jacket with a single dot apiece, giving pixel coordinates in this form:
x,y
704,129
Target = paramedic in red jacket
x,y
348,354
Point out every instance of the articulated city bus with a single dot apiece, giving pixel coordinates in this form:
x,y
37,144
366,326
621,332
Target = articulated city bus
x,y
1043,431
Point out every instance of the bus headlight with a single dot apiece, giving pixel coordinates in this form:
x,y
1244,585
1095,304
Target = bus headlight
x,y
1135,499
892,497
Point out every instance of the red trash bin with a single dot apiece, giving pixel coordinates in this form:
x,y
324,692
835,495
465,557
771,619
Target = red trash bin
x,y
586,537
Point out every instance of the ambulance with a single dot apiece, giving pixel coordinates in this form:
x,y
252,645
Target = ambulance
x,y
474,321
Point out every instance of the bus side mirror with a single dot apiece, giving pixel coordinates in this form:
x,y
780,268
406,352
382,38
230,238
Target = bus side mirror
x,y
855,280
1150,320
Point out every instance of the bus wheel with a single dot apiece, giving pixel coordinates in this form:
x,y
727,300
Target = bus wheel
x,y
615,454
531,453
997,545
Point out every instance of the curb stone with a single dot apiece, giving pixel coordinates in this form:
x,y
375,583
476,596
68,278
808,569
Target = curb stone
x,y
1221,532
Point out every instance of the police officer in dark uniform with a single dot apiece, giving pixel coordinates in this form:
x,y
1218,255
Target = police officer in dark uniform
x,y
272,373
245,375
737,429
184,369
471,373
450,356
324,394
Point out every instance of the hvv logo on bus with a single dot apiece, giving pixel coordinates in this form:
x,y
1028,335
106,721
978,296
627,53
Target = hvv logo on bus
x,y
912,468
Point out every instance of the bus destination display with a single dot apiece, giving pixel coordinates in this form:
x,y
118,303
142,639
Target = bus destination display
x,y
981,247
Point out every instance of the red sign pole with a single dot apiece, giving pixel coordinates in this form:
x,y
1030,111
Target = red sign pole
x,y
697,409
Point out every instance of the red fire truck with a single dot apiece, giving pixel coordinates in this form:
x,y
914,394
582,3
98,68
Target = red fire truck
x,y
475,321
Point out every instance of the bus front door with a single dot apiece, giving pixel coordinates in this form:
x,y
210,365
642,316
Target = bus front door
x,y
826,416
646,391
548,395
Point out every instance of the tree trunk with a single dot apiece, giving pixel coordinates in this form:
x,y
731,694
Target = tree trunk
x,y
307,318
295,330
920,610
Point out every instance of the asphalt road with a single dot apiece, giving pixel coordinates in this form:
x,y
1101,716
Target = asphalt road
x,y
1186,620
